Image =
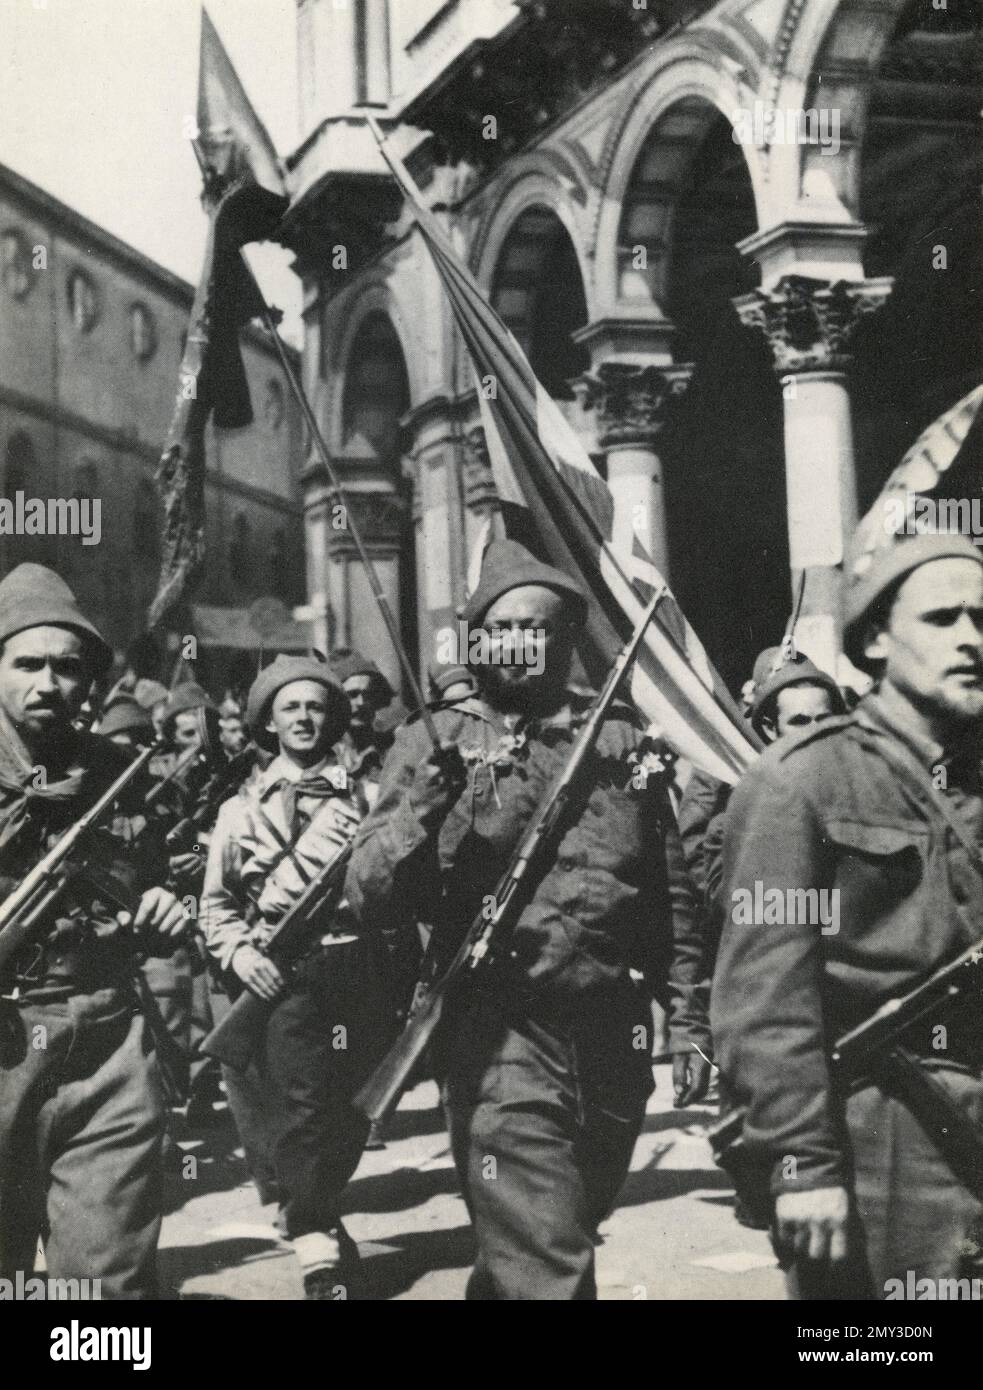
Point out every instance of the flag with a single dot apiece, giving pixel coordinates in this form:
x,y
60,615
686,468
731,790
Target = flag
x,y
956,436
542,470
245,198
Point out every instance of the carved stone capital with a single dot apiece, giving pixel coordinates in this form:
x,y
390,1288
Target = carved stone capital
x,y
807,322
633,402
378,516
479,484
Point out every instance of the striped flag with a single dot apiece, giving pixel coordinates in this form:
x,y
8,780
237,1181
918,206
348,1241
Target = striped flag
x,y
246,198
541,467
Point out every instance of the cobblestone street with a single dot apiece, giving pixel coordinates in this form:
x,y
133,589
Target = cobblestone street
x,y
673,1234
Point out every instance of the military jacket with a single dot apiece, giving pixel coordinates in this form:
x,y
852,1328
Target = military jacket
x,y
832,810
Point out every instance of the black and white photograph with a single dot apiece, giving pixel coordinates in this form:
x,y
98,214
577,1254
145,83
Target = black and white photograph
x,y
491,662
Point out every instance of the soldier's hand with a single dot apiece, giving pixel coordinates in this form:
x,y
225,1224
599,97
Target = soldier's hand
x,y
813,1224
258,973
690,1078
160,911
188,866
437,784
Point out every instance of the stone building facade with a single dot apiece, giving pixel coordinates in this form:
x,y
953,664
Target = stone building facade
x,y
739,242
91,336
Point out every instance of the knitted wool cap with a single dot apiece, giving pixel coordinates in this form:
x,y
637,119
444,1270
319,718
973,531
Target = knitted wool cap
x,y
509,565
284,671
869,579
346,664
801,671
34,596
125,716
186,697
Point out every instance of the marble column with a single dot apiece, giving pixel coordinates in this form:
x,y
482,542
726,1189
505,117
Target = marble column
x,y
808,323
633,402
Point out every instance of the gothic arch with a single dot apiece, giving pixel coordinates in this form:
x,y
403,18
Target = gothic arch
x,y
375,298
692,80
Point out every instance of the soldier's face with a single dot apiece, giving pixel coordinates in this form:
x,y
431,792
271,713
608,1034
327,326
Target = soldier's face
x,y
45,676
798,706
362,698
530,647
187,730
299,718
932,643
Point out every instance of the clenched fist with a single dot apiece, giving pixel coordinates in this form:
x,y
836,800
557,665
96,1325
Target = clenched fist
x,y
813,1224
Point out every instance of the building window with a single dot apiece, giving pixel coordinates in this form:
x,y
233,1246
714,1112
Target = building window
x,y
239,550
15,262
279,569
273,404
20,464
143,332
86,481
83,301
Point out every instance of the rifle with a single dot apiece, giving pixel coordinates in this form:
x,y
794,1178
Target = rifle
x,y
236,1039
224,781
26,910
487,932
874,1051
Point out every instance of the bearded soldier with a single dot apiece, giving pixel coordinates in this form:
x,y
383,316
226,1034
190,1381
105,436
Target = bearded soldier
x,y
81,1113
332,1022
546,1070
881,809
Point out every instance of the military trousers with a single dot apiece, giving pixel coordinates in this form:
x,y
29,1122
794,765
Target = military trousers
x,y
321,1043
543,1117
911,1218
81,1135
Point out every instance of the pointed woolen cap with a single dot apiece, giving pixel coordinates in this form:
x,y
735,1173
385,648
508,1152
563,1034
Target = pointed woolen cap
x,y
509,565
34,596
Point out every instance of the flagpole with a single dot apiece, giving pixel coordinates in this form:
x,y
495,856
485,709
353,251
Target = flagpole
x,y
375,584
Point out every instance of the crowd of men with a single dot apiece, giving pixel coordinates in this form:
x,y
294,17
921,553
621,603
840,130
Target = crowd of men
x,y
545,1061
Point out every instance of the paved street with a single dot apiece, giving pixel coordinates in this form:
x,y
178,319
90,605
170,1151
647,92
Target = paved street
x,y
673,1234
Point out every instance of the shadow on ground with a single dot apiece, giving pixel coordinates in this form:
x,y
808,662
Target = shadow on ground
x,y
392,1271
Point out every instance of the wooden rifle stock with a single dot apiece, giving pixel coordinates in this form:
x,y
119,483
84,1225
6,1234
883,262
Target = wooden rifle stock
x,y
382,1090
236,1039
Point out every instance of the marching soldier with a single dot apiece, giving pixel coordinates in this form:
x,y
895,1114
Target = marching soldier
x,y
546,1072
368,738
333,1021
883,807
81,1114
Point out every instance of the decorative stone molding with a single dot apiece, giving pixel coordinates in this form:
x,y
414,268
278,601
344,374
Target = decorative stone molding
x,y
633,402
480,494
808,322
379,517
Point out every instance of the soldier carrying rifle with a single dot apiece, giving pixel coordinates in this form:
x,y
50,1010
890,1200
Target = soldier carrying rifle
x,y
884,808
81,1113
331,1019
546,1063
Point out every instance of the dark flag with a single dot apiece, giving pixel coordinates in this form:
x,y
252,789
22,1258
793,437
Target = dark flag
x,y
545,476
245,198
